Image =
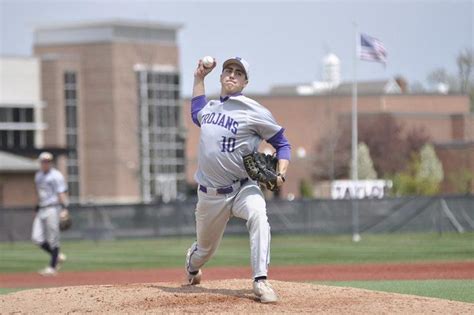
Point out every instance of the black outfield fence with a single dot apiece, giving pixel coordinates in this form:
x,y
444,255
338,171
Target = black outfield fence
x,y
389,215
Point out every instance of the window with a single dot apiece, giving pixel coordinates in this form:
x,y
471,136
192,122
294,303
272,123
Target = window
x,y
71,117
162,147
30,138
71,141
70,77
29,114
16,137
4,138
16,114
70,94
70,104
5,114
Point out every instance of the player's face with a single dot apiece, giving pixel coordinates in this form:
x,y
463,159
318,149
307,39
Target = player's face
x,y
45,165
233,79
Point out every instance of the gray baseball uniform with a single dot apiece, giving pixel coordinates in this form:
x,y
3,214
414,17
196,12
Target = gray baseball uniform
x,y
46,222
230,128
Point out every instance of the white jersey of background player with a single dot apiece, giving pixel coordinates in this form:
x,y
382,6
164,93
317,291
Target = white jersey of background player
x,y
52,203
231,127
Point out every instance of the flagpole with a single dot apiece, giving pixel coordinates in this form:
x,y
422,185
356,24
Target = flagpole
x,y
354,173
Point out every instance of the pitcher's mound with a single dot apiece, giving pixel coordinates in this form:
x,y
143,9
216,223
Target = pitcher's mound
x,y
225,296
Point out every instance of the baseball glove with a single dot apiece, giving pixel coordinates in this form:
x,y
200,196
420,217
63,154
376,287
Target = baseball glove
x,y
65,221
262,168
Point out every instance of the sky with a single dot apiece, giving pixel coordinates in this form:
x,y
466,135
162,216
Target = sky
x,y
284,41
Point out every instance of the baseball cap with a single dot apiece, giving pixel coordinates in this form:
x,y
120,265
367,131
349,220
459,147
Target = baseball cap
x,y
240,61
45,156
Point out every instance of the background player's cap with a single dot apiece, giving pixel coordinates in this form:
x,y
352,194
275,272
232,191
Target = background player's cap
x,y
45,156
240,61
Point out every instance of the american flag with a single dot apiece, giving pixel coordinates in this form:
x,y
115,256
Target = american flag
x,y
371,49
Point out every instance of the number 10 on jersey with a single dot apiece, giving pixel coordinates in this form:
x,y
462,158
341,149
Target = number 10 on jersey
x,y
227,144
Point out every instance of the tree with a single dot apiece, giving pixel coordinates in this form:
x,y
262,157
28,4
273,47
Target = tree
x,y
306,189
423,175
383,136
390,146
471,97
463,82
441,76
430,171
365,166
462,180
332,156
417,87
389,143
415,139
465,63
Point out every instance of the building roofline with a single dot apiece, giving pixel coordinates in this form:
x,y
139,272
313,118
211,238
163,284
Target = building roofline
x,y
7,56
16,163
107,31
268,95
454,144
417,115
109,23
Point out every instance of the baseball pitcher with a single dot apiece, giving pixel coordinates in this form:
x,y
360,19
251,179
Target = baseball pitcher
x,y
51,212
229,170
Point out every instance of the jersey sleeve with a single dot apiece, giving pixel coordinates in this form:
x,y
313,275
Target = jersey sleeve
x,y
197,104
263,123
60,183
281,145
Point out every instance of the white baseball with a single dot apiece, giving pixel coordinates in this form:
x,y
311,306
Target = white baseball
x,y
207,62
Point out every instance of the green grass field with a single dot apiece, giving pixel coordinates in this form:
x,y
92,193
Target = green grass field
x,y
457,290
234,251
6,290
286,250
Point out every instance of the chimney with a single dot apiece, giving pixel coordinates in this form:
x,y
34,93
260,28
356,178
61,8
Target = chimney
x,y
402,83
457,126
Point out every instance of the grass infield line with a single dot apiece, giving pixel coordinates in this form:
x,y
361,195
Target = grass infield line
x,y
456,290
9,290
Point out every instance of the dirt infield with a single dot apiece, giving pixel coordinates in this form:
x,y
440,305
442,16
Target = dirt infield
x,y
224,296
402,271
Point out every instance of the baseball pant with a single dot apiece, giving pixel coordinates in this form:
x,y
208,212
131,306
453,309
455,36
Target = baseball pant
x,y
46,227
212,214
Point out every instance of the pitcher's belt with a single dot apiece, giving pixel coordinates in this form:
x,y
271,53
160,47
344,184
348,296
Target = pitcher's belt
x,y
223,190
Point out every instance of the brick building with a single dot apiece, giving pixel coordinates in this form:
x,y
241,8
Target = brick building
x,y
112,91
21,128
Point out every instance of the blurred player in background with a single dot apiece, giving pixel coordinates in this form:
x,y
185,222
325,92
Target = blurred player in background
x,y
52,203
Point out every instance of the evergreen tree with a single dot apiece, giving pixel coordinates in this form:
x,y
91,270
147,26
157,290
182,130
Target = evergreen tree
x,y
430,172
364,163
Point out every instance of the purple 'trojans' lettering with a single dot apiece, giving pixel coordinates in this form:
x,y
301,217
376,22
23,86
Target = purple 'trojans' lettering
x,y
210,118
217,119
235,125
228,123
222,120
